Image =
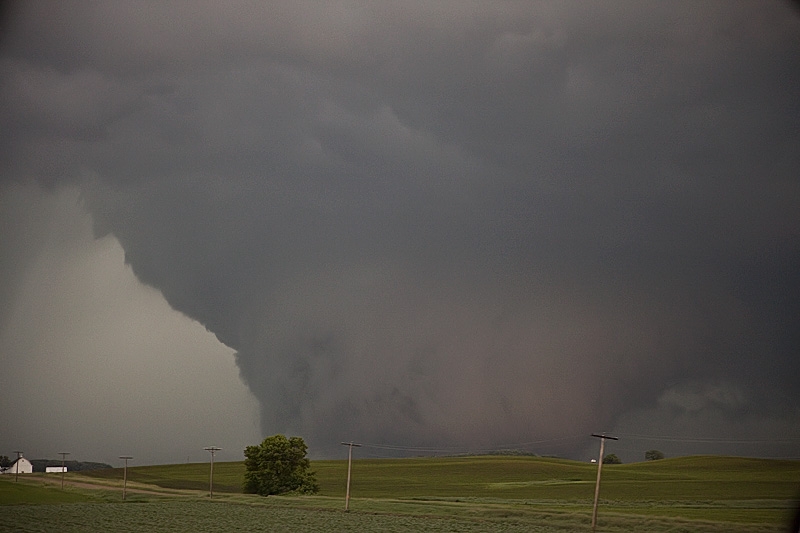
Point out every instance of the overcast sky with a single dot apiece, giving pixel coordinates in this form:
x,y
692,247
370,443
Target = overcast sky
x,y
430,227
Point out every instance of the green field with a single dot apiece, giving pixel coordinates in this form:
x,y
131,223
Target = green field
x,y
489,493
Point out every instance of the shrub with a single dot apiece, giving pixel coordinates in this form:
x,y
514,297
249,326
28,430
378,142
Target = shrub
x,y
653,455
611,459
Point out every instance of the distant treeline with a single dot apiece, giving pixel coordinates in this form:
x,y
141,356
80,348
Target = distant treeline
x,y
39,465
504,453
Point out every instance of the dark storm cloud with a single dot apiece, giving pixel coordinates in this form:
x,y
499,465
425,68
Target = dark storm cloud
x,y
458,224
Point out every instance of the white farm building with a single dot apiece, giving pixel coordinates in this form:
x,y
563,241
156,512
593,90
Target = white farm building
x,y
20,466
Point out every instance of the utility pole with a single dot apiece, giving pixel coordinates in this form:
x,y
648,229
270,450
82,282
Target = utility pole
x,y
16,473
125,475
599,468
63,466
212,450
349,466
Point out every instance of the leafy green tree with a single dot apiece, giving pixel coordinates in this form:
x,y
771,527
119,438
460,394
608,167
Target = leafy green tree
x,y
277,466
611,459
653,455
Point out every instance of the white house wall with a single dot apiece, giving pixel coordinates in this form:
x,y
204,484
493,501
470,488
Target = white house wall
x,y
25,467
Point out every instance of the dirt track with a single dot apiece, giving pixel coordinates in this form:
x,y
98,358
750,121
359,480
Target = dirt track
x,y
136,489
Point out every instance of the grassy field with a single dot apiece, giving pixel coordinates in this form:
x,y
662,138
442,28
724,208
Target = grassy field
x,y
489,493
12,493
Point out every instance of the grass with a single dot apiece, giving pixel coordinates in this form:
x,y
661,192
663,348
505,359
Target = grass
x,y
251,513
451,494
182,516
685,478
36,492
228,477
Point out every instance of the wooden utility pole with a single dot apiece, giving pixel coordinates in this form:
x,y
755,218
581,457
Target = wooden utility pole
x,y
599,468
63,466
349,465
16,464
212,450
125,475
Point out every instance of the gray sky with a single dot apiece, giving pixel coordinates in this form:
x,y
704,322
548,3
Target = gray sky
x,y
439,226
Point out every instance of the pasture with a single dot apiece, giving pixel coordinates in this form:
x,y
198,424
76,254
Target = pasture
x,y
489,493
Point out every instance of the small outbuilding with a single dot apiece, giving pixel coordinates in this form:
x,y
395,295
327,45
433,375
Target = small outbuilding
x,y
55,469
20,466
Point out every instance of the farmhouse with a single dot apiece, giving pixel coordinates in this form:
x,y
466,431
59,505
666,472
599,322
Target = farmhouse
x,y
21,466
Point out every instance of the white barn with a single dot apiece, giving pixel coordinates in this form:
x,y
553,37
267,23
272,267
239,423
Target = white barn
x,y
21,466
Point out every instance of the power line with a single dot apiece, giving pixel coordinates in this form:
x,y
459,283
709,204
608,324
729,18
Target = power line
x,y
468,450
710,440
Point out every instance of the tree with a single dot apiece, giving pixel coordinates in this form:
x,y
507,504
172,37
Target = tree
x,y
278,465
611,459
5,462
653,455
